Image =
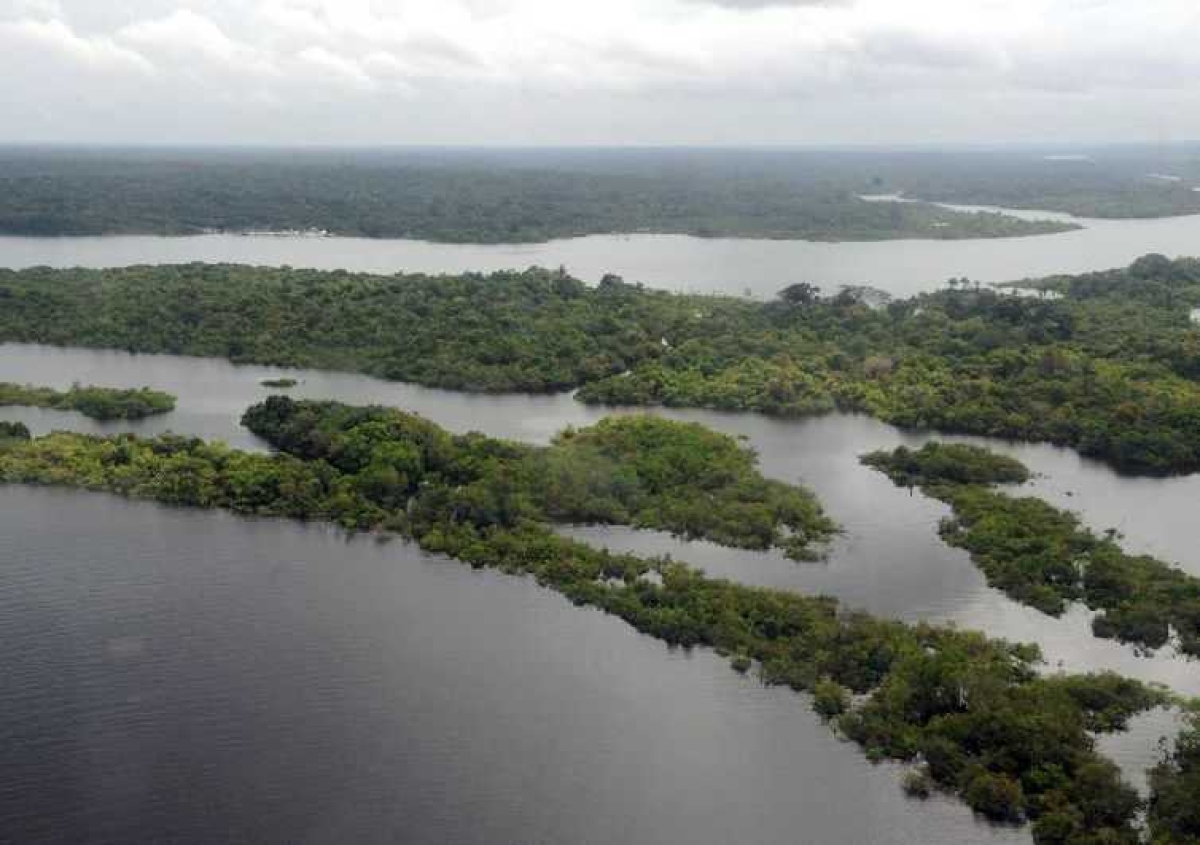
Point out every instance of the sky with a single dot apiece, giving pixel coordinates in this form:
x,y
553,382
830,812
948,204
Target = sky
x,y
606,72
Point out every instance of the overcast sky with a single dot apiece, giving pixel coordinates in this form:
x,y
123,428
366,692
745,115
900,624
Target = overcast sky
x,y
599,72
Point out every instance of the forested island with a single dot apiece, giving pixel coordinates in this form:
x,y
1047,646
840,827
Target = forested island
x,y
471,197
99,403
1110,368
972,715
1041,556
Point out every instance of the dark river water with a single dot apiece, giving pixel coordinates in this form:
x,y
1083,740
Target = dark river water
x,y
189,676
671,262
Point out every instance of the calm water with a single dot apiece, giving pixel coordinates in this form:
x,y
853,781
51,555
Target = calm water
x,y
203,677
673,262
196,677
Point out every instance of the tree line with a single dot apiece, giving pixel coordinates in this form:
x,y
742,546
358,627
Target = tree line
x,y
1042,556
459,201
1110,369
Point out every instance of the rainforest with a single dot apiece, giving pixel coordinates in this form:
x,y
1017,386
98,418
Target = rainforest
x,y
1109,365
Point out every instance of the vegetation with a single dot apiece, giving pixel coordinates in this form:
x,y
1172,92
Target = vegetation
x,y
99,403
918,784
947,463
1174,817
13,431
973,711
1042,556
534,331
1112,369
362,467
456,199
638,470
1108,182
1113,376
279,382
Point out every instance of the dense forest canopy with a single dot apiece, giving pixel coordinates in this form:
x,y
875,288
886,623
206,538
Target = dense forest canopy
x,y
465,197
1174,785
636,470
1111,368
947,463
971,713
522,195
99,403
1042,556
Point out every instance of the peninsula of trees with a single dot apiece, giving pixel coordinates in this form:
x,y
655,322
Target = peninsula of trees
x,y
99,403
1041,556
971,714
1111,369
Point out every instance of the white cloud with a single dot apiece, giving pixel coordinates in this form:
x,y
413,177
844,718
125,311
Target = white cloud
x,y
808,62
20,9
336,68
61,44
186,34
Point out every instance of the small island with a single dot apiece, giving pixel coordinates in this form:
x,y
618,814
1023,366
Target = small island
x,y
947,463
99,403
282,382
1042,556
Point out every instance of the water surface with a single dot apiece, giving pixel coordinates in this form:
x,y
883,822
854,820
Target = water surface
x,y
195,677
267,661
672,262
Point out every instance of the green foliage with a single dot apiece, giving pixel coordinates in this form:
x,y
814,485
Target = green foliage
x,y
637,470
99,403
13,431
1014,744
535,331
997,796
1106,184
468,198
947,463
1042,556
1115,376
917,783
1174,817
679,475
830,699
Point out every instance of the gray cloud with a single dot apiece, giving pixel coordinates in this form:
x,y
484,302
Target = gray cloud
x,y
625,71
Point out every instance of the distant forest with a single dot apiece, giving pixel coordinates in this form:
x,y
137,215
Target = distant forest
x,y
493,197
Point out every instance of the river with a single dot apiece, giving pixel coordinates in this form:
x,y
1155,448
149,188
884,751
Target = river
x,y
198,676
671,262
